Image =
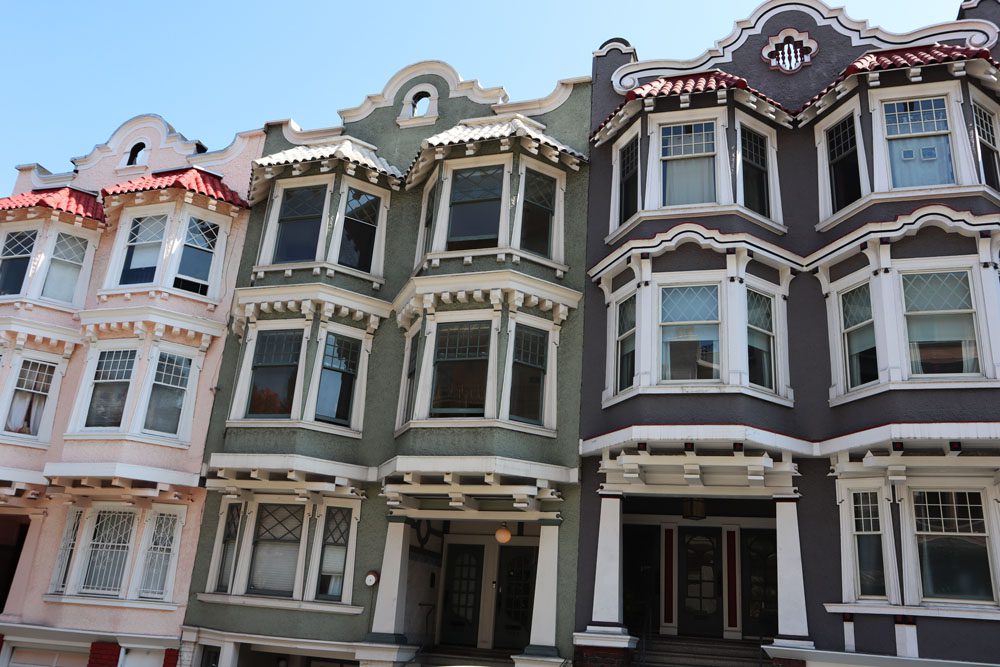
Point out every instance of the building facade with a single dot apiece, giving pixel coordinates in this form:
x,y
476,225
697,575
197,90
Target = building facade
x,y
792,252
392,459
116,282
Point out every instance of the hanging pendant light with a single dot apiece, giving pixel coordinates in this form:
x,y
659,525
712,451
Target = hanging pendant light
x,y
502,534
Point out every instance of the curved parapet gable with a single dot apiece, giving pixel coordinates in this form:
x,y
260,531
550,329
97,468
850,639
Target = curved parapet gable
x,y
456,88
974,32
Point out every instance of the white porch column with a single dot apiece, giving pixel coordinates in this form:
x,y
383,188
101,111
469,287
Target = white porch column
x,y
793,628
229,654
390,604
25,564
543,614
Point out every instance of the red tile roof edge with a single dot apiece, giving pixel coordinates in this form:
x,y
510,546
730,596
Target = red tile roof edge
x,y
192,179
69,199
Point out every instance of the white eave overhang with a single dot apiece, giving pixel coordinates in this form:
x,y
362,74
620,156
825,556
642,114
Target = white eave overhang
x,y
302,476
307,300
62,473
159,322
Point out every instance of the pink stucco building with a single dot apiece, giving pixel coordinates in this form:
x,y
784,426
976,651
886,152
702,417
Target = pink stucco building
x,y
115,285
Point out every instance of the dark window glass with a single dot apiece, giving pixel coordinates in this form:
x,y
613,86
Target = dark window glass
x,y
14,260
842,151
333,558
299,223
411,378
628,185
337,379
461,365
111,382
625,356
142,249
230,534
429,214
755,186
357,246
210,656
868,538
275,366
986,133
196,257
133,155
952,545
475,207
538,214
527,383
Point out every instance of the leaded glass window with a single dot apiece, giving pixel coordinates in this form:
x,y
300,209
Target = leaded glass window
x,y
687,163
475,207
527,384
112,378
338,378
952,543
461,365
276,549
859,336
333,557
196,256
919,142
625,345
940,323
273,374
357,243
142,249
15,256
689,333
760,338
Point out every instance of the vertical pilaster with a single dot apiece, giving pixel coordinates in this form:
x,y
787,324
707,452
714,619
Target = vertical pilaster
x,y
608,610
543,614
25,565
390,605
793,627
229,654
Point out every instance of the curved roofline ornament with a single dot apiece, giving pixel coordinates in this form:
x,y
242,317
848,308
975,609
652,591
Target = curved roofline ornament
x,y
974,32
789,51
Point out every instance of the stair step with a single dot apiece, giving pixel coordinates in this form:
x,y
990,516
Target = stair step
x,y
695,652
447,657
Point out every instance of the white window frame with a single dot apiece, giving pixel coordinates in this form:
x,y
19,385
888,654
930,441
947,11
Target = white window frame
x,y
215,564
723,182
266,255
432,182
175,245
147,526
378,252
138,420
422,405
912,588
412,341
82,406
242,394
558,232
312,575
621,295
690,279
406,118
991,107
850,569
241,580
773,185
442,219
112,278
92,238
850,108
15,359
33,260
838,338
961,154
361,379
549,396
616,175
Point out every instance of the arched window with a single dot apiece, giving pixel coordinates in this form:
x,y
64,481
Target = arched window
x,y
420,104
135,154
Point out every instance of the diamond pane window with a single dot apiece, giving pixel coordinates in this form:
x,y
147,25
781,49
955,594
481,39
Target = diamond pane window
x,y
940,323
687,156
64,268
274,372
158,557
689,333
196,257
107,556
14,260
337,379
625,352
27,405
628,183
952,539
333,559
461,364
166,398
756,195
475,207
760,339
357,245
275,549
919,142
527,384
989,150
538,213
142,249
110,389
299,223
859,336
868,544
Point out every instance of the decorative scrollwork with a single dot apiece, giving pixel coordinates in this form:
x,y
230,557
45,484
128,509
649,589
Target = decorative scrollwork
x,y
789,51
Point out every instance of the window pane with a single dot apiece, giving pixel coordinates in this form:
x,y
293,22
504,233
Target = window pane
x,y
689,181
475,208
110,390
626,362
936,291
230,534
626,315
142,252
842,152
61,281
460,369
299,224
955,567
528,374
760,356
916,116
921,161
164,412
689,304
159,555
538,213
871,571
755,186
275,367
357,246
108,554
27,405
336,534
862,360
12,272
337,378
628,194
690,352
856,306
276,549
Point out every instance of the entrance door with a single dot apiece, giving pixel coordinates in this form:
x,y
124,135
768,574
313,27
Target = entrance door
x,y
760,583
462,593
13,531
699,587
515,597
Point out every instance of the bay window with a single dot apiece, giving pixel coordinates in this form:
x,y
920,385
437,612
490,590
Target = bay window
x,y
753,155
359,229
338,378
160,551
628,179
408,386
274,373
940,323
475,207
989,149
687,163
461,369
760,339
195,268
168,393
15,257
529,365
867,532
276,539
31,394
109,392
689,333
858,335
109,543
538,213
229,545
843,165
333,553
65,267
625,344
952,538
142,249
298,225
918,139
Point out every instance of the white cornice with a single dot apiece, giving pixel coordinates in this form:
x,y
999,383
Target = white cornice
x,y
311,292
121,470
975,32
296,135
470,465
456,88
485,281
564,88
291,462
158,316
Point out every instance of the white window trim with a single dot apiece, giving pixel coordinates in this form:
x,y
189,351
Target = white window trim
x,y
616,175
378,252
406,117
912,589
245,556
618,297
14,360
848,549
549,396
962,155
79,419
429,186
773,185
834,310
852,108
34,261
422,406
978,97
138,420
361,380
410,347
242,394
557,233
215,564
112,277
312,576
266,256
442,219
654,178
48,245
175,248
147,526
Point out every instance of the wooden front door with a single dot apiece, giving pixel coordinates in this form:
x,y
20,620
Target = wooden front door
x,y
760,583
462,595
515,597
699,584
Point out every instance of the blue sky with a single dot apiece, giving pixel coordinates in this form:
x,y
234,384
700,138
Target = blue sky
x,y
76,70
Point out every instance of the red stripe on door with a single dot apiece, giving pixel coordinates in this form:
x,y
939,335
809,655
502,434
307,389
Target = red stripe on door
x,y
731,578
668,575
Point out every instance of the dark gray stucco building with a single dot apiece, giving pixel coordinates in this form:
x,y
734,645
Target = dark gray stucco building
x,y
789,422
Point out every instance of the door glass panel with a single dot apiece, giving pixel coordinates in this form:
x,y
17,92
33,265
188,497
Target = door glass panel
x,y
701,582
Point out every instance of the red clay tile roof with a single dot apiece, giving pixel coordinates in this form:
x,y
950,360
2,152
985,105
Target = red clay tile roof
x,y
70,200
911,56
189,178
